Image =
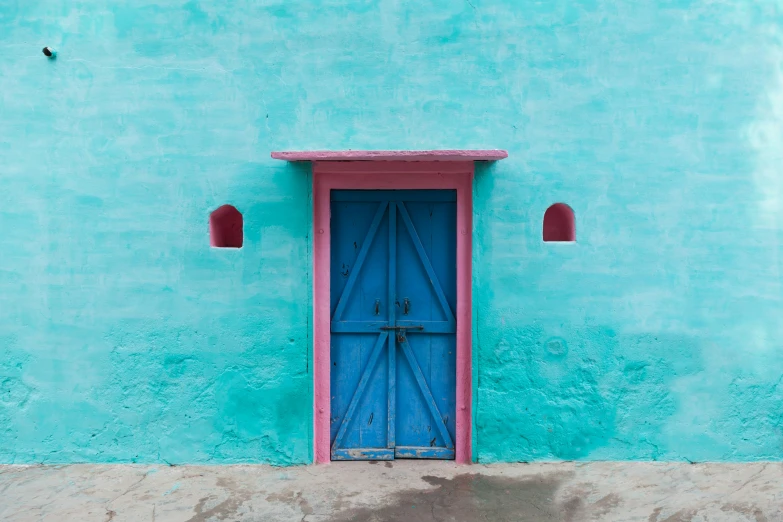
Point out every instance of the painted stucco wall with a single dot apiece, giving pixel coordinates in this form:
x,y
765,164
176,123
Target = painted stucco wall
x,y
125,337
659,334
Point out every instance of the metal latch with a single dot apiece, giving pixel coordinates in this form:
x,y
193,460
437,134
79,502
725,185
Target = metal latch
x,y
401,331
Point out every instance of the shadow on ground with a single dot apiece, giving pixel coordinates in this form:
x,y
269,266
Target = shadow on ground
x,y
474,497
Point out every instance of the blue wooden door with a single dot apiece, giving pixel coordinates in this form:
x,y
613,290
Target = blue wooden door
x,y
393,331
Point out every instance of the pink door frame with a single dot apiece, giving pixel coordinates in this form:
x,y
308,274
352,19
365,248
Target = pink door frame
x,y
376,175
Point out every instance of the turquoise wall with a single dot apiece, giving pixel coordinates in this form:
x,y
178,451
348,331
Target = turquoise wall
x,y
125,337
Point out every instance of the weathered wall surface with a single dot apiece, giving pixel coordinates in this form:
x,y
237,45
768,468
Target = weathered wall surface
x,y
125,337
659,334
656,336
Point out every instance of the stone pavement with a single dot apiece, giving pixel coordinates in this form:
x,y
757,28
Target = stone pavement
x,y
407,491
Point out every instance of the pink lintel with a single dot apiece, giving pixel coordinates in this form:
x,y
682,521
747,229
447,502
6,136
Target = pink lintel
x,y
391,155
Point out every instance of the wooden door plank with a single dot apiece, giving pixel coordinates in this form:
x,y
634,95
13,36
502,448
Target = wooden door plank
x,y
392,394
374,356
422,254
368,239
425,391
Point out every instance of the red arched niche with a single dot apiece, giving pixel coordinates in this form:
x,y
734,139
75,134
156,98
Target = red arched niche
x,y
225,227
559,223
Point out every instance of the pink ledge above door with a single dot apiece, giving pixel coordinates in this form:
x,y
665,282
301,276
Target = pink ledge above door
x,y
391,155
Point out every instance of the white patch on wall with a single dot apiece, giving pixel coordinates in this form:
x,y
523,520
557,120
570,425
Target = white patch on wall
x,y
765,135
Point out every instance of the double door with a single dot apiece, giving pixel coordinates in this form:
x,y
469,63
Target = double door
x,y
393,330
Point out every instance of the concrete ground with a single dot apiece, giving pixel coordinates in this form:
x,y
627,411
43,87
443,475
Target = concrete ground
x,y
408,491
